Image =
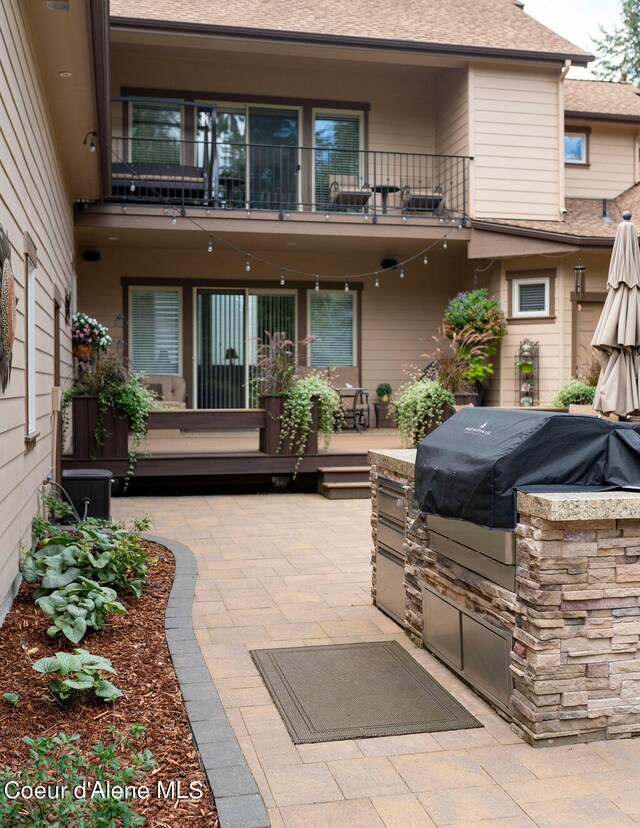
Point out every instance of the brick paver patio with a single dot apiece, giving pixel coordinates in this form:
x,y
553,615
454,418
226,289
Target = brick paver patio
x,y
293,570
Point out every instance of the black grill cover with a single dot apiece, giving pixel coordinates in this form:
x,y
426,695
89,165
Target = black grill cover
x,y
470,467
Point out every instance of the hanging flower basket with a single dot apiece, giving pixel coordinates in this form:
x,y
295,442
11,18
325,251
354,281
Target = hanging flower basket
x,y
83,351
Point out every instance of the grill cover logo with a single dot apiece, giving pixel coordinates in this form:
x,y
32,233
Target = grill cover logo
x,y
480,431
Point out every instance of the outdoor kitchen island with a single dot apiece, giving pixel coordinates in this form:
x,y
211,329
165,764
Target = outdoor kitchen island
x,y
557,650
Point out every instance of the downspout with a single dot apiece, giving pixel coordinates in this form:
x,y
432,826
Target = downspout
x,y
562,207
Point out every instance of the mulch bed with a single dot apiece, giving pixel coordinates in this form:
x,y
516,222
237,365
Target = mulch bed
x,y
138,650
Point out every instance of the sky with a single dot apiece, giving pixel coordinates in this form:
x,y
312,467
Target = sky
x,y
576,20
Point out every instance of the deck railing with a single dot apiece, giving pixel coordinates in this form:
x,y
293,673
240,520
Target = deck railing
x,y
260,177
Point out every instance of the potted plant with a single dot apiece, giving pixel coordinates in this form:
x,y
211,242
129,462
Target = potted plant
x,y
460,363
297,408
475,311
108,402
87,335
574,392
421,406
384,391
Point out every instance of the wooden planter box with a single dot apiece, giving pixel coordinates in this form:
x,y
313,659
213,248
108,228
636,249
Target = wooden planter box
x,y
466,397
270,434
115,444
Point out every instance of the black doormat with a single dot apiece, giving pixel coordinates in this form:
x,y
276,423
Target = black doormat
x,y
352,691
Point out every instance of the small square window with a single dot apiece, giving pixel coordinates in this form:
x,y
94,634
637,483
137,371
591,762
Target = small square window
x,y
575,147
530,297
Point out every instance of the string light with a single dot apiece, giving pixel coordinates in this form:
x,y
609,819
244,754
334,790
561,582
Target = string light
x,y
168,206
425,261
282,280
132,187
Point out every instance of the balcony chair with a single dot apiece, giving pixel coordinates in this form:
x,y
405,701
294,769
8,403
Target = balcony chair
x,y
354,398
171,389
159,180
346,192
423,199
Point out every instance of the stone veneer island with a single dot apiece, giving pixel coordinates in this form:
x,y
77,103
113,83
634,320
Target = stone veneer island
x,y
572,626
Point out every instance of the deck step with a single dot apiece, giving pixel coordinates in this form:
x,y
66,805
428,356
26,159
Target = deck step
x,y
342,474
346,491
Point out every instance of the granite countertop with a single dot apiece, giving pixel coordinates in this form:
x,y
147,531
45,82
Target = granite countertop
x,y
560,506
400,461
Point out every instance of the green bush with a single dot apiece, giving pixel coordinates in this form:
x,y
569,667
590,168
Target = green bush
x,y
419,407
575,392
78,607
384,390
477,311
79,672
58,761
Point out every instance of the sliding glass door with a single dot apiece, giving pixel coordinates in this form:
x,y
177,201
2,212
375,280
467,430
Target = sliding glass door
x,y
230,323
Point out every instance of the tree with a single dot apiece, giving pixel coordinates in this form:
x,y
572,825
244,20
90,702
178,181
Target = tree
x,y
618,51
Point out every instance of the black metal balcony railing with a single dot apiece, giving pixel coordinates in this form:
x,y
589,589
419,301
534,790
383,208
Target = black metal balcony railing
x,y
229,176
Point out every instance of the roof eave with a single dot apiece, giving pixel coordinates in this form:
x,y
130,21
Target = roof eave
x,y
245,32
601,116
546,235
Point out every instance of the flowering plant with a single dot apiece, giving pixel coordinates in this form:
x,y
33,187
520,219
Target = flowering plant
x,y
86,330
526,387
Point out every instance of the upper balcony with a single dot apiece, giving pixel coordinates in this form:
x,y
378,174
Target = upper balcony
x,y
179,154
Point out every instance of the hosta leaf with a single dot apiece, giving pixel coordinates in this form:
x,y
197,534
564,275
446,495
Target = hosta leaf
x,y
68,662
30,570
83,681
70,556
105,690
74,632
53,630
48,664
47,604
54,579
95,662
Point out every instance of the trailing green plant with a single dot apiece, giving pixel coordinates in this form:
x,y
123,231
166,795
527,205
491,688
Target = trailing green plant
x,y
574,392
477,311
297,413
56,507
420,406
384,390
84,782
113,557
118,390
78,674
78,607
41,528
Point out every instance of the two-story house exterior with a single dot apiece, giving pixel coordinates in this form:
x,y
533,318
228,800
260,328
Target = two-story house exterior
x,y
296,143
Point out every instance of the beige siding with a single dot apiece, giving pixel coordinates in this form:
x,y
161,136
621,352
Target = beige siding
x,y
452,113
554,336
33,200
398,319
515,143
612,167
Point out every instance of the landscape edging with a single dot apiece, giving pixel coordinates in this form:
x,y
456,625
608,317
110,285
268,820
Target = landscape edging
x,y
237,797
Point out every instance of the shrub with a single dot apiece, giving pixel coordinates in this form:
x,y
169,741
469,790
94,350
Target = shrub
x,y
79,672
58,761
78,607
575,392
384,390
476,310
276,363
420,406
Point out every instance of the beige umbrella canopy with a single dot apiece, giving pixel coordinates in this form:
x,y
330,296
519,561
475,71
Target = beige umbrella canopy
x,y
617,336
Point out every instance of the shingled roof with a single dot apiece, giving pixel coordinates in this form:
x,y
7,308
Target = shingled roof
x,y
583,222
601,100
464,26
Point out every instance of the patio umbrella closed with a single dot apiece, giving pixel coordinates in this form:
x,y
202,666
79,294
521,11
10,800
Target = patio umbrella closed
x,y
617,336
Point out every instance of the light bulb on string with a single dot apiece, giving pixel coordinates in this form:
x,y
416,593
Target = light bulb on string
x,y
247,267
377,281
210,245
425,260
346,287
132,187
173,218
282,280
317,287
402,272
444,244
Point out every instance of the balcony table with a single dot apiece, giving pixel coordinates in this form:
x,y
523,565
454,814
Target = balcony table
x,y
385,190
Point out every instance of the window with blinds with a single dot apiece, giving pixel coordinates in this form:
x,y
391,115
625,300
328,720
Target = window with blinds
x,y
156,133
531,297
337,153
331,321
154,330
